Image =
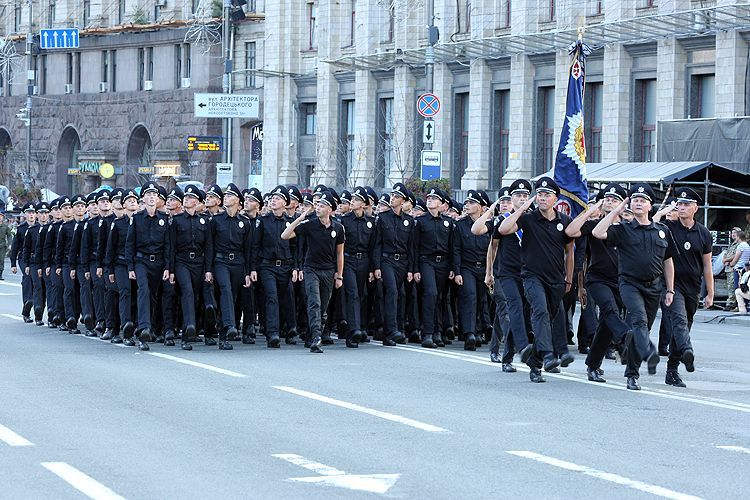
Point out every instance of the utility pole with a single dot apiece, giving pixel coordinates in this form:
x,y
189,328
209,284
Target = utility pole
x,y
226,123
30,76
429,55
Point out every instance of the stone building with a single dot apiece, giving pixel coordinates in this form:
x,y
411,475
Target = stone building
x,y
339,80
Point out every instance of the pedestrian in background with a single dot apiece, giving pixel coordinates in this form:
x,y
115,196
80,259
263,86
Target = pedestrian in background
x,y
6,238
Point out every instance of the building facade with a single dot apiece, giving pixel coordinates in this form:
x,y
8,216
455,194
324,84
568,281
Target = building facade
x,y
339,81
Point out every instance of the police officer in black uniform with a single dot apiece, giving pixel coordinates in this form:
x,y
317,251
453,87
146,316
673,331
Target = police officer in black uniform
x,y
115,266
394,259
33,257
147,251
104,292
602,280
358,264
55,309
17,257
63,245
645,254
78,260
547,271
249,297
692,262
229,258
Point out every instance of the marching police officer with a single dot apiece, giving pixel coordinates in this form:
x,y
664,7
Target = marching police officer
x,y
645,255
17,257
115,265
62,260
32,254
54,288
147,251
104,292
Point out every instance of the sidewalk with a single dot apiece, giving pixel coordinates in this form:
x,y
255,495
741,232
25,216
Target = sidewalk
x,y
721,317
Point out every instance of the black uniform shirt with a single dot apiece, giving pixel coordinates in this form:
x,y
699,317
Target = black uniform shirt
x,y
64,243
395,235
321,243
690,246
50,243
433,236
16,248
508,259
36,253
360,235
76,255
543,246
642,250
102,236
29,244
148,235
117,235
191,236
267,242
230,235
602,256
469,249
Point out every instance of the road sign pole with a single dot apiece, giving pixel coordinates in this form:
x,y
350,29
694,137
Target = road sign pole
x,y
430,53
30,76
226,123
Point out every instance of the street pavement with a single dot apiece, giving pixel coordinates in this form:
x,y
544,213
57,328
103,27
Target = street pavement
x,y
81,417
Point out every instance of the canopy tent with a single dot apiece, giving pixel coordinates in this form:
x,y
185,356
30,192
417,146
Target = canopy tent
x,y
722,188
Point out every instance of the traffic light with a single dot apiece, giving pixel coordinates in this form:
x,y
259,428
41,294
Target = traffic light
x,y
23,115
237,13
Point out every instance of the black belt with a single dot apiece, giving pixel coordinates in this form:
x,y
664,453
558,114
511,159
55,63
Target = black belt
x,y
191,255
151,257
476,265
277,262
395,256
358,255
437,258
229,256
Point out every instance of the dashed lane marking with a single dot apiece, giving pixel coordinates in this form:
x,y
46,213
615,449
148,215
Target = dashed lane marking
x,y
12,439
80,481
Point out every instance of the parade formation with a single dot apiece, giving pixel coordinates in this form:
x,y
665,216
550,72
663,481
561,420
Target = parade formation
x,y
136,266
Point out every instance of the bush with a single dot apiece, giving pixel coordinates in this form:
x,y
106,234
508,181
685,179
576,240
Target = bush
x,y
420,187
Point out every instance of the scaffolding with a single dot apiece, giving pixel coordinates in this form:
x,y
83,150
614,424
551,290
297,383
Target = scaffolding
x,y
639,29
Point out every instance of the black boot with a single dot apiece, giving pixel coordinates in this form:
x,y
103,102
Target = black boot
x,y
428,342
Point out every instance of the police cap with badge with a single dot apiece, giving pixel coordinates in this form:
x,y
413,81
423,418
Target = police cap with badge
x,y
282,192
642,190
192,191
547,185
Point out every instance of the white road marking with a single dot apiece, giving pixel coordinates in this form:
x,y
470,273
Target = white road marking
x,y
9,294
469,358
330,476
362,409
739,449
606,476
13,316
13,439
196,364
80,481
17,285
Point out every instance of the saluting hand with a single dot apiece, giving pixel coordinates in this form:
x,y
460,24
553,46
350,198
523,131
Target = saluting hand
x,y
622,206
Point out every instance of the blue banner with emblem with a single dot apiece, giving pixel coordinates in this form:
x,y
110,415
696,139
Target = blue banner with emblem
x,y
570,164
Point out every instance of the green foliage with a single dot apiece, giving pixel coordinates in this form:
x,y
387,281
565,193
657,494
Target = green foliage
x,y
420,187
217,8
139,15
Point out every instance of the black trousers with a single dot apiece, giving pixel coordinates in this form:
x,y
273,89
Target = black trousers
x,y
515,300
54,298
681,313
470,297
70,292
276,289
501,324
356,273
122,282
84,285
27,282
98,294
547,319
611,325
149,277
434,280
393,273
229,276
190,279
40,292
641,301
318,287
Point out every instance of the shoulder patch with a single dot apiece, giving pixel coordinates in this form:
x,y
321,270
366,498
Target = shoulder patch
x,y
100,223
112,226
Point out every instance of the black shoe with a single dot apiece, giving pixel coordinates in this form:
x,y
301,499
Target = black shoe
x,y
364,339
449,334
550,362
248,340
651,362
143,346
145,335
633,384
74,331
224,345
673,378
610,354
526,353
566,359
274,341
553,370
688,359
169,338
89,333
209,341
664,351
107,334
160,339
326,340
88,320
116,340
438,339
189,332
509,368
428,342
478,339
26,310
128,329
389,343
129,342
315,345
350,342
185,346
99,326
289,338
71,323
232,333
39,322
584,349
593,376
535,375
398,338
470,344
495,357
414,337
27,319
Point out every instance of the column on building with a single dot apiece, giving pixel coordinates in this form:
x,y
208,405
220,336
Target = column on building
x,y
404,120
443,88
671,62
562,74
365,129
521,136
731,70
617,105
480,127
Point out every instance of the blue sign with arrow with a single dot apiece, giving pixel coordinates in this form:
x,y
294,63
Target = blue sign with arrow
x,y
65,38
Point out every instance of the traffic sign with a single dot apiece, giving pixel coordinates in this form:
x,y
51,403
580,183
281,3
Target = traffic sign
x,y
428,132
203,143
65,38
226,106
224,173
432,162
428,105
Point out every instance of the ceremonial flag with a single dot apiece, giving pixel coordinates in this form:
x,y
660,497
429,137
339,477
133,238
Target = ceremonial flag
x,y
570,164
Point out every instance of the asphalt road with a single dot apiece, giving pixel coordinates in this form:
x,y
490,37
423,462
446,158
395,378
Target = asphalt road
x,y
84,417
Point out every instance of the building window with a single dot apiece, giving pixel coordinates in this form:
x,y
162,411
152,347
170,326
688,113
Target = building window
x,y
551,9
141,67
77,76
157,12
51,15
178,66
187,67
593,105
250,65
645,120
86,12
312,25
150,53
113,70
545,126
120,11
390,24
252,6
69,69
461,136
500,137
386,149
352,22
310,117
43,79
503,11
17,20
702,98
105,66
463,16
347,122
596,7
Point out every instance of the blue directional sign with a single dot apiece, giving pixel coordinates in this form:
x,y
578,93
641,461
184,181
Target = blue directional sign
x,y
428,105
66,38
